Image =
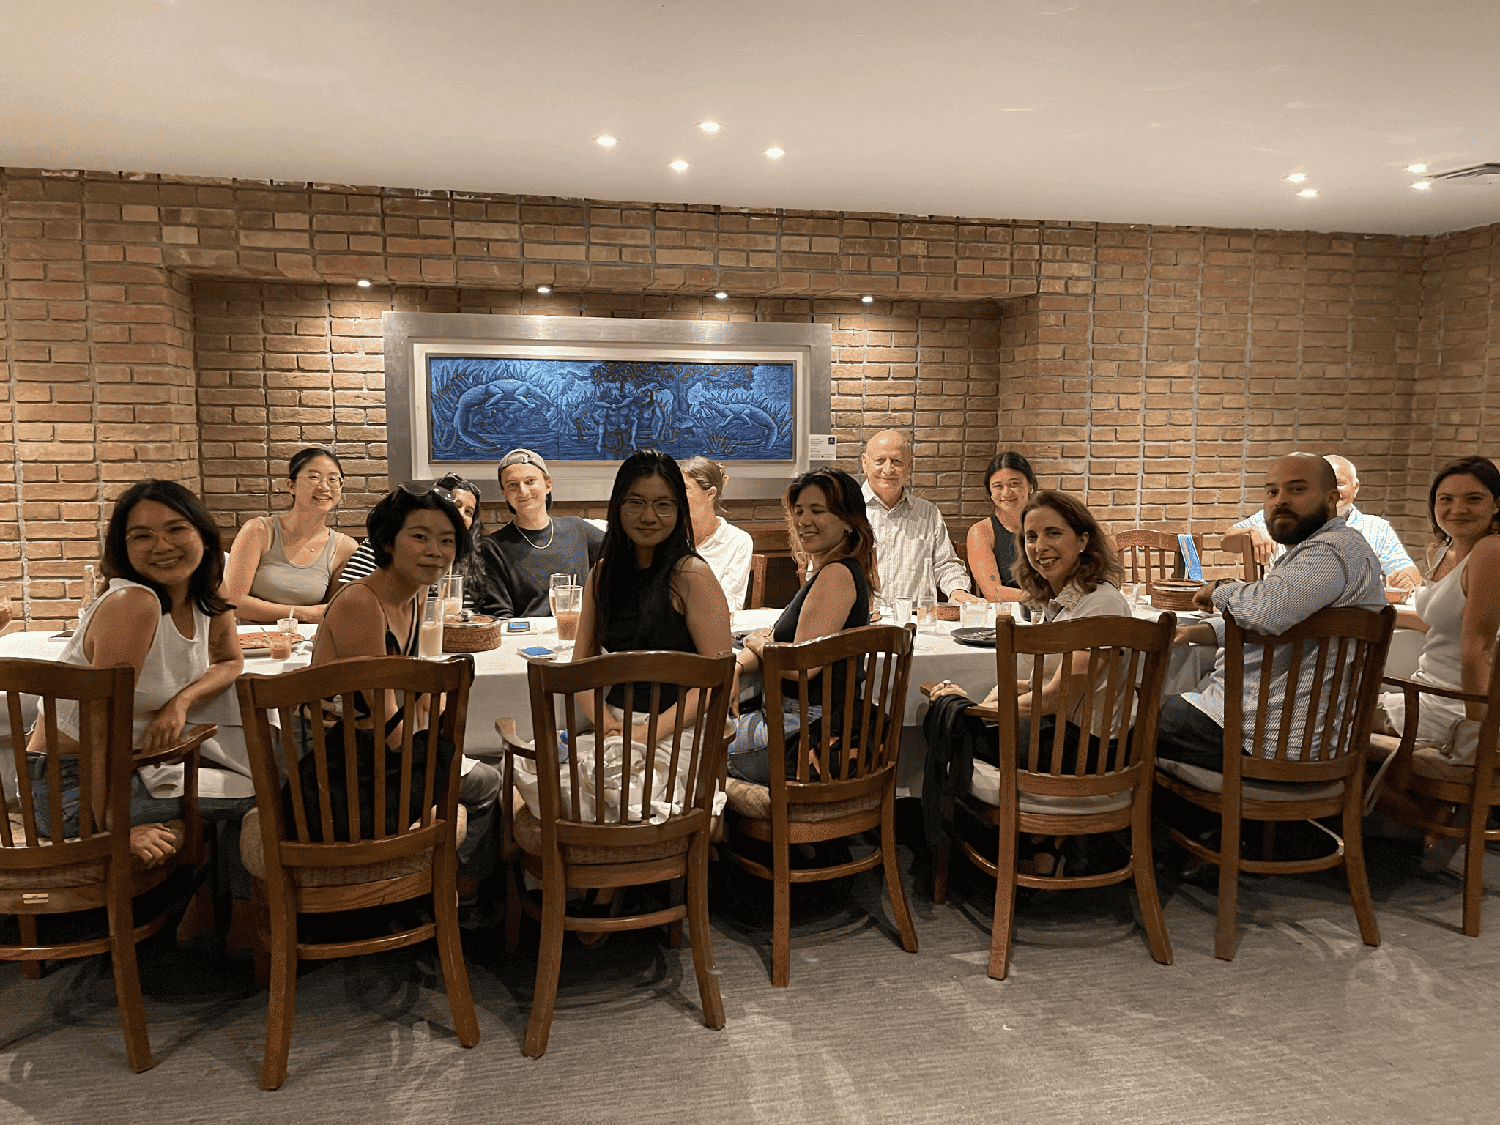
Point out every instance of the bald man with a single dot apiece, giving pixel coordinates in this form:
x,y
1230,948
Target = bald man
x,y
1396,564
910,534
1326,563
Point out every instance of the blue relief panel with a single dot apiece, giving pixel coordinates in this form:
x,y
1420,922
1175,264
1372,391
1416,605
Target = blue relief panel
x,y
480,407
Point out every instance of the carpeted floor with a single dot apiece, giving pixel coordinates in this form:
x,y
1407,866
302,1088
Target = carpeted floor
x,y
1305,1025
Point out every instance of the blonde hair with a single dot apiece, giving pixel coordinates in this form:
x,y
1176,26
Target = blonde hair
x,y
706,474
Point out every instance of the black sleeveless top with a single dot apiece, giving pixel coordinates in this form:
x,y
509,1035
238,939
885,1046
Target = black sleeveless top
x,y
1005,553
625,632
785,628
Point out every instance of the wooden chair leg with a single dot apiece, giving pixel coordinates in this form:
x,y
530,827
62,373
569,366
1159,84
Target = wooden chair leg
x,y
1474,870
260,933
781,912
674,929
281,1005
940,861
1359,883
451,954
1225,936
514,887
699,935
1005,903
548,969
1143,872
127,978
893,886
27,923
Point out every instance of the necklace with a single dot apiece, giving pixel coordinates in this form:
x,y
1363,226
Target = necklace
x,y
551,531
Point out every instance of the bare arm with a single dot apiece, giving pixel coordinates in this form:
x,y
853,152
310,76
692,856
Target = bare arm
x,y
824,611
1481,619
981,543
343,550
1407,578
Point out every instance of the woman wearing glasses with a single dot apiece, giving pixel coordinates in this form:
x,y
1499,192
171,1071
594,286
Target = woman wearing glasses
x,y
285,565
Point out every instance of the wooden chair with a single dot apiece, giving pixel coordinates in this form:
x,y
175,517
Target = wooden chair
x,y
755,596
1149,555
1442,798
1251,569
1319,774
54,874
659,832
1099,792
845,776
299,866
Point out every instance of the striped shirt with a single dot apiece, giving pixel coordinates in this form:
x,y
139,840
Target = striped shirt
x,y
1382,538
1333,567
908,536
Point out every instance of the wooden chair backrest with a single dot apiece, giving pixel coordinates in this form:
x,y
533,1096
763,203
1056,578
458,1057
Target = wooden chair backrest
x,y
105,698
300,701
696,747
1250,568
1120,696
859,737
1334,661
1149,555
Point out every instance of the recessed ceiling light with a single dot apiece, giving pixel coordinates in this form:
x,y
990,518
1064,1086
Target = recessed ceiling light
x,y
678,165
606,140
544,289
1308,193
1423,185
1296,177
775,152
721,295
710,127
867,299
1416,169
364,283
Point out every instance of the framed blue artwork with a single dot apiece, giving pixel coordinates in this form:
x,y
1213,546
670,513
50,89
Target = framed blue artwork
x,y
462,390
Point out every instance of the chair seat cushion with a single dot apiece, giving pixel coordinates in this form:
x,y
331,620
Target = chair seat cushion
x,y
1382,746
252,852
1429,762
1211,781
528,833
73,875
985,786
754,801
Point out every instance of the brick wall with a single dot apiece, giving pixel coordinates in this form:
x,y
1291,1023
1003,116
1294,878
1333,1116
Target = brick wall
x,y
202,329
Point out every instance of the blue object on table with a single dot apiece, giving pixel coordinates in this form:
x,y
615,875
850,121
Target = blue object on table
x,y
1190,559
537,650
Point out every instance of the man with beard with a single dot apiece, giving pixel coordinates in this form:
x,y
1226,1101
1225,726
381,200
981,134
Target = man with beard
x,y
1326,564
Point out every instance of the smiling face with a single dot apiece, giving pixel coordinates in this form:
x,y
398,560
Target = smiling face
x,y
1009,490
1052,546
318,484
467,503
163,546
648,513
818,530
526,490
424,548
886,462
1299,497
1464,507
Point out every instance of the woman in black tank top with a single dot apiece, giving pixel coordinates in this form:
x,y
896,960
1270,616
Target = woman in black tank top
x,y
992,542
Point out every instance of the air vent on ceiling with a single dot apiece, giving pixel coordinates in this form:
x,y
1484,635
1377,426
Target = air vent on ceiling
x,y
1478,173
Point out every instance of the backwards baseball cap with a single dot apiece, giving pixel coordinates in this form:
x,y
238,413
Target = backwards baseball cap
x,y
522,457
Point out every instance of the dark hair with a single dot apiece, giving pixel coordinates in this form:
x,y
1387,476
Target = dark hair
x,y
303,456
1010,459
846,500
203,586
387,518
1096,564
706,474
1481,469
617,556
453,482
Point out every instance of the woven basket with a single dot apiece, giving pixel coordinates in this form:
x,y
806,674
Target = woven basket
x,y
1171,594
478,634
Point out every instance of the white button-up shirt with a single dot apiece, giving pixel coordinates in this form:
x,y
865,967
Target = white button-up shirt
x,y
908,535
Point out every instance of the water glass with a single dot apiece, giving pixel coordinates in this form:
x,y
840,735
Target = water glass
x,y
973,615
901,611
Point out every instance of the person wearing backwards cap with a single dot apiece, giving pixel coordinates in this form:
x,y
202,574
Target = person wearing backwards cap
x,y
526,552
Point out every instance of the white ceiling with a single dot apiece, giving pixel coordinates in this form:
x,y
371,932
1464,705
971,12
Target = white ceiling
x,y
1164,112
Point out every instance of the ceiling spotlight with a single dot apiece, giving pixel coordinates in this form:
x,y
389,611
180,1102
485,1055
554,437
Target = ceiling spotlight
x,y
721,295
775,152
1308,193
1296,177
544,289
710,127
605,140
678,165
867,299
1416,169
1423,185
364,283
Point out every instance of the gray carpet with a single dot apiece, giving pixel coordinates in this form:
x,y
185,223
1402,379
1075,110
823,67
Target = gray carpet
x,y
1306,1025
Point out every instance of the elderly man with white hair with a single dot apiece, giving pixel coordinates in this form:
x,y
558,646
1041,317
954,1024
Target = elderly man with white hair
x,y
1395,563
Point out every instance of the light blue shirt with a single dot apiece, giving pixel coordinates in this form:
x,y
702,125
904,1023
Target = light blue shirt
x,y
1382,537
1334,567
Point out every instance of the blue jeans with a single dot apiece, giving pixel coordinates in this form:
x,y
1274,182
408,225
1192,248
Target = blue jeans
x,y
749,759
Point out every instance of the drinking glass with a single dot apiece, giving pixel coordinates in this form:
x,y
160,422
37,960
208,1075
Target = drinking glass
x,y
451,594
901,611
430,640
973,615
567,604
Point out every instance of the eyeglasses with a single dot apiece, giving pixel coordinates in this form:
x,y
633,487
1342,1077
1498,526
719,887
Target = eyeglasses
x,y
635,509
